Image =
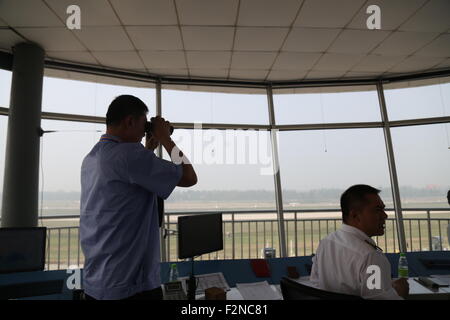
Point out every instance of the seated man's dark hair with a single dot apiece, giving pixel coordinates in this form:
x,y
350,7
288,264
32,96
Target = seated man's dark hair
x,y
123,106
354,197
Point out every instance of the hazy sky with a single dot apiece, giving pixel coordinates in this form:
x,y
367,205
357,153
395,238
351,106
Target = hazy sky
x,y
309,159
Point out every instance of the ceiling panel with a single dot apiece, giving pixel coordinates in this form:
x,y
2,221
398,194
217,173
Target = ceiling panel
x,y
145,12
73,56
93,13
183,72
28,13
259,39
355,74
414,64
248,74
377,63
207,12
211,59
432,17
393,13
53,39
280,13
163,59
404,43
440,47
209,73
337,62
280,75
313,74
357,41
155,38
327,13
208,38
104,39
252,60
444,64
310,39
296,60
8,39
119,59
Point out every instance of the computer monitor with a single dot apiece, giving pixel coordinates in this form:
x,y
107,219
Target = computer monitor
x,y
22,249
199,234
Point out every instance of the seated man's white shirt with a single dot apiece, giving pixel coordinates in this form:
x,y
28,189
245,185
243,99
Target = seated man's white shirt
x,y
341,265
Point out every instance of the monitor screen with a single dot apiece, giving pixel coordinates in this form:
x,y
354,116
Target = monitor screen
x,y
22,249
199,234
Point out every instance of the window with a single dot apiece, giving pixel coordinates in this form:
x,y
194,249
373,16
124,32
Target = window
x,y
3,134
5,88
414,102
214,107
317,105
422,156
316,168
235,174
88,98
62,153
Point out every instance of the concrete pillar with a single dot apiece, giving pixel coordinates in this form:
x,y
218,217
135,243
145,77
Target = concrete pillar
x,y
21,179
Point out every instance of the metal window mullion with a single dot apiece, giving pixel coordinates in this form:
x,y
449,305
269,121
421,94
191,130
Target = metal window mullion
x,y
277,178
162,242
392,169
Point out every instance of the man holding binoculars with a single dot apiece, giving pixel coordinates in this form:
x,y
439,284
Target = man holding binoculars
x,y
120,182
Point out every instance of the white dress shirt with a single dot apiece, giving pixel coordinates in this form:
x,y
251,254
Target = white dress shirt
x,y
341,265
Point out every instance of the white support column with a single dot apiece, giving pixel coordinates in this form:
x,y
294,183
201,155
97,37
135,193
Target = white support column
x,y
392,170
21,179
277,179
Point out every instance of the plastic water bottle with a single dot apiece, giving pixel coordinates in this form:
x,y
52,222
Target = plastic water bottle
x,y
402,266
173,276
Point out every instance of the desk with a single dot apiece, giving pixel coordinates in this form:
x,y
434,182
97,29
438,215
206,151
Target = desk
x,y
234,293
416,291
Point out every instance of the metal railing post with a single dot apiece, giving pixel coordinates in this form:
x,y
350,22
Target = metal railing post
x,y
430,242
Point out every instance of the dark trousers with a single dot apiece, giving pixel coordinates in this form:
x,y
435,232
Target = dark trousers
x,y
155,294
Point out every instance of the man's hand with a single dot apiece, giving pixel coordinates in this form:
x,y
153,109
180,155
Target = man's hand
x,y
151,143
160,129
401,286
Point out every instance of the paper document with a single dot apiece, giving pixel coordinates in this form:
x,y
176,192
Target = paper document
x,y
258,291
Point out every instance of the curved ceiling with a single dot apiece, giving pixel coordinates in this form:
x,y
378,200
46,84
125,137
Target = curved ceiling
x,y
249,40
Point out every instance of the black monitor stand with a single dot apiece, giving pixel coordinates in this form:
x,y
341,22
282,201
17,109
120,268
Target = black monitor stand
x,y
192,285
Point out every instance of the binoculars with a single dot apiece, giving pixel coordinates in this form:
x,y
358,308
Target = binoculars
x,y
149,128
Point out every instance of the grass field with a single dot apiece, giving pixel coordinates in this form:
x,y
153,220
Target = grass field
x,y
252,234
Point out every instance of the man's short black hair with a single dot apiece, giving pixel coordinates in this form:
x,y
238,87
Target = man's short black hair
x,y
355,196
123,106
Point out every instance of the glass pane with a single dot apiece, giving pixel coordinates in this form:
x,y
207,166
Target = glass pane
x,y
417,102
234,170
214,107
88,98
422,156
62,153
317,166
297,107
3,132
5,87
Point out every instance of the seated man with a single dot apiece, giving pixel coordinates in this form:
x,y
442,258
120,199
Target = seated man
x,y
345,259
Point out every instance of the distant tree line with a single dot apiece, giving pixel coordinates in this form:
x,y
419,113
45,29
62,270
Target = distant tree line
x,y
310,196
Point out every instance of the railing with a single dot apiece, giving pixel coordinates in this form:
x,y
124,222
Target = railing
x,y
246,233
